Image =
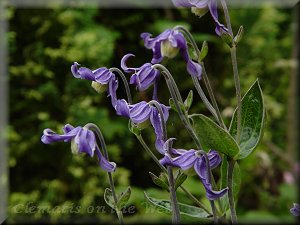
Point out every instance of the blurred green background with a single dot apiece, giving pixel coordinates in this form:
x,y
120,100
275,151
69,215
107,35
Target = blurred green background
x,y
43,43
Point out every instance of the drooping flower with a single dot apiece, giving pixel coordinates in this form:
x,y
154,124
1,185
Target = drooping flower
x,y
142,112
143,77
167,44
185,159
200,6
295,210
82,141
102,79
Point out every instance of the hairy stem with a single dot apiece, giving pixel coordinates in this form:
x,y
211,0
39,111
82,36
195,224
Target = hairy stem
x,y
215,109
230,191
100,137
175,94
173,198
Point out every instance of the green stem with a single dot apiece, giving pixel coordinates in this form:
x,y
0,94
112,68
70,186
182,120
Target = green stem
x,y
175,94
98,133
216,112
173,198
230,191
127,89
187,192
235,71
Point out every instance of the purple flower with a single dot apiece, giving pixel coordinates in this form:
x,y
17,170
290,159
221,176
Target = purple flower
x,y
295,210
143,76
101,78
167,44
203,5
141,112
82,141
185,159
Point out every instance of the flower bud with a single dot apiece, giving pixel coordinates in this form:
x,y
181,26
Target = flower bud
x,y
167,50
143,125
100,88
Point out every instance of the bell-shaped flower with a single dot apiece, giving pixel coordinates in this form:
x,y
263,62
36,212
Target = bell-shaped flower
x,y
167,44
82,141
143,77
185,159
102,79
200,6
142,112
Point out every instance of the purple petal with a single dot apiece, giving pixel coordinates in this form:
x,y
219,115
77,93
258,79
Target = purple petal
x,y
123,63
157,56
112,91
194,69
74,70
104,163
182,3
144,77
103,75
122,108
201,170
139,112
86,74
295,210
200,3
184,161
214,159
50,136
213,9
157,126
86,142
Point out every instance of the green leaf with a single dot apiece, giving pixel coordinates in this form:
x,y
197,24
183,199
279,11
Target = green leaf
x,y
159,181
123,198
180,178
252,120
204,51
173,106
165,206
227,39
108,198
239,35
188,101
212,136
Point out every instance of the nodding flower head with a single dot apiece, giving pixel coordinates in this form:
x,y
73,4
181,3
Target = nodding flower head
x,y
295,210
102,79
143,77
167,44
199,7
82,141
140,113
186,159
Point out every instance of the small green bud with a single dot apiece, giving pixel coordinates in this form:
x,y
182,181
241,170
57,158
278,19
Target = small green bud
x,y
199,12
143,125
227,39
100,88
189,172
74,147
239,35
168,50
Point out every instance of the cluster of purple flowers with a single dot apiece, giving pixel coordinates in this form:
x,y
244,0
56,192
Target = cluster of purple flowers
x,y
167,44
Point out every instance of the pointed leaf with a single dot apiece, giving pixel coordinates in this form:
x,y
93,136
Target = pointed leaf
x,y
212,136
158,181
165,206
124,197
108,198
204,51
188,101
180,178
173,106
252,120
239,35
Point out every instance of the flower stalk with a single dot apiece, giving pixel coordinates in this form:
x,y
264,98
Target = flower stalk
x,y
173,198
100,137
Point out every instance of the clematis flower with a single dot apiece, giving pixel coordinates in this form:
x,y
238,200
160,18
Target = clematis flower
x,y
185,159
142,112
167,44
143,77
295,210
82,141
102,79
199,7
